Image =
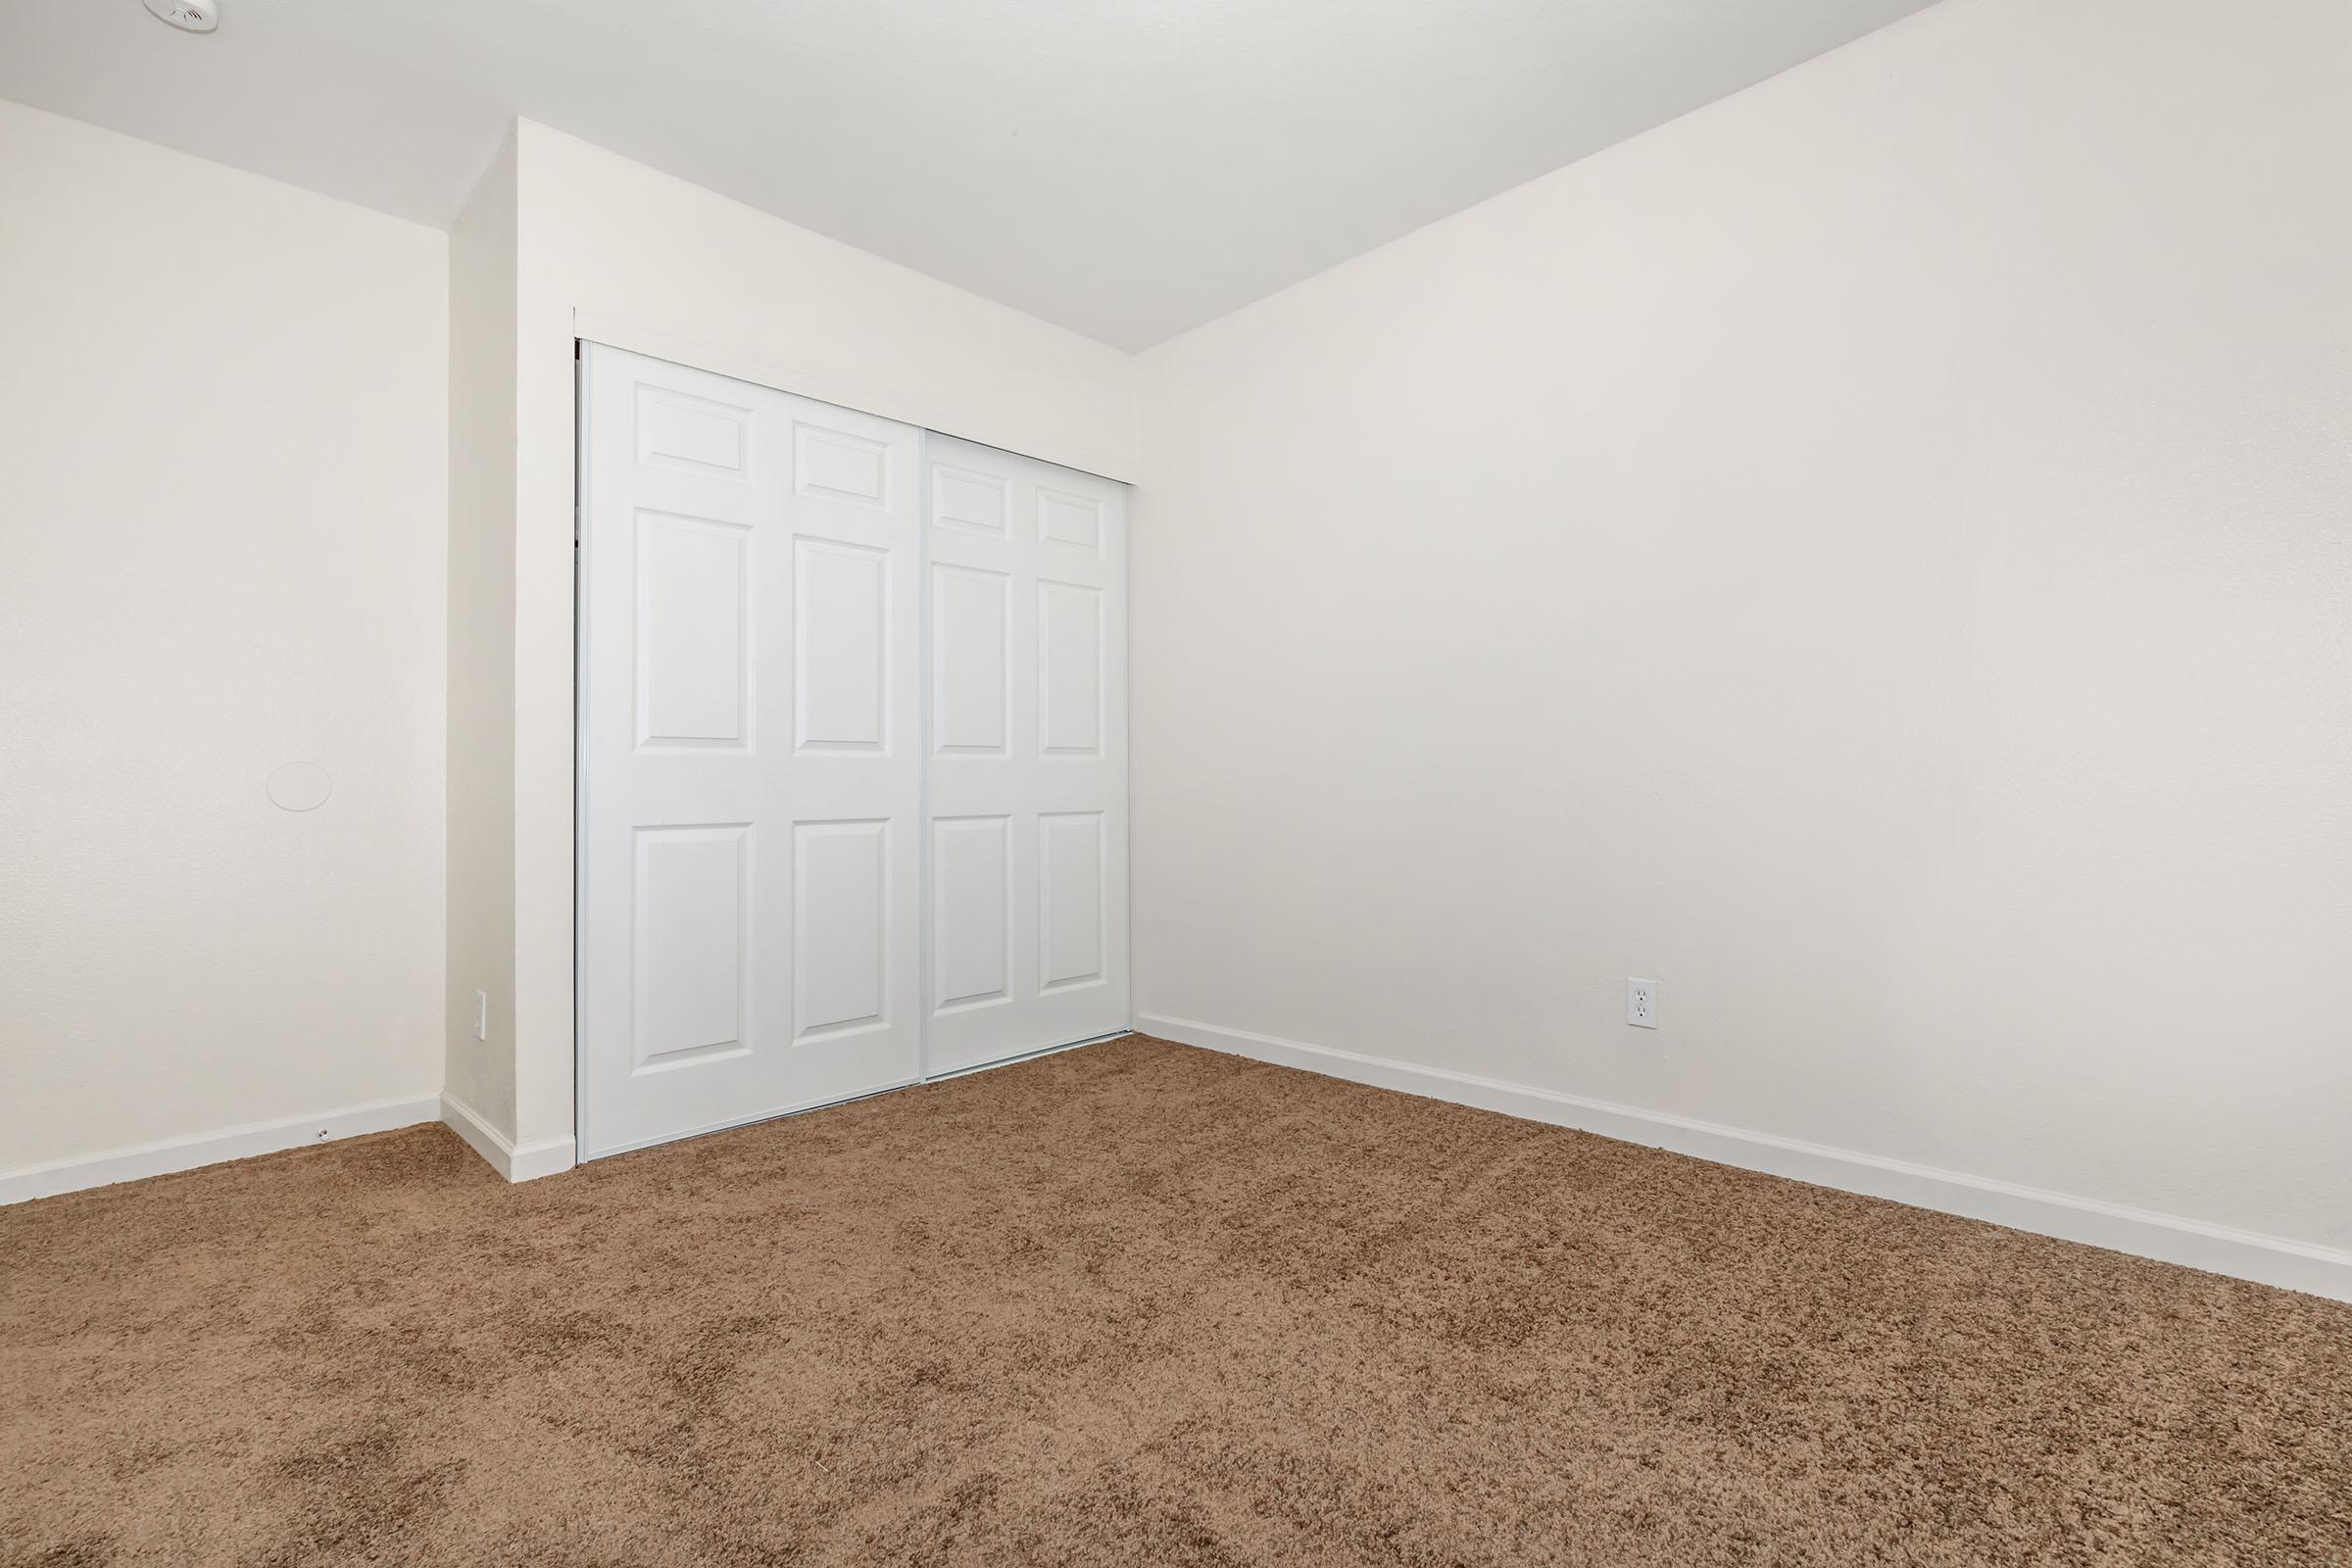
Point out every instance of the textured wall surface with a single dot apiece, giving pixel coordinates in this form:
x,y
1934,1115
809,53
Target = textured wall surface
x,y
222,428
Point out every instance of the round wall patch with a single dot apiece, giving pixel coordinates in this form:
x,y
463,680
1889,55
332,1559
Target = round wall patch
x,y
300,786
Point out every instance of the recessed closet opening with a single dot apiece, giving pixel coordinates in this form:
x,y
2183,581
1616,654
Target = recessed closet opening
x,y
852,754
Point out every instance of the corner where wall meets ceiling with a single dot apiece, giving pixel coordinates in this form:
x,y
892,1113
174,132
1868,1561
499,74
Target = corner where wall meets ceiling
x,y
1125,171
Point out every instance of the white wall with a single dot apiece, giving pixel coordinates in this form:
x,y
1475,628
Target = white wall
x,y
612,250
222,427
480,795
1875,554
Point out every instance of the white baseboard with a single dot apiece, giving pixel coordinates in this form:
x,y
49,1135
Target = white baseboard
x,y
2216,1248
517,1162
210,1148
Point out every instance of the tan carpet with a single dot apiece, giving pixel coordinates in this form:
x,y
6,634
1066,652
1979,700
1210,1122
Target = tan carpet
x,y
1133,1304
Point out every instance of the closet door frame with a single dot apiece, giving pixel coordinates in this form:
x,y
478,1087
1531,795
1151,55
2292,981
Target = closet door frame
x,y
1115,718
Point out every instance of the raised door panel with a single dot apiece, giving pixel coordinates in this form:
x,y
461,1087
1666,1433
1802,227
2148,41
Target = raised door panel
x,y
970,502
841,924
694,631
1069,523
1069,669
842,657
702,435
971,905
692,934
971,616
835,465
1071,940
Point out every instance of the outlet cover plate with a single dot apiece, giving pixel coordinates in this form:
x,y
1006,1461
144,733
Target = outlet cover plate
x,y
1642,1002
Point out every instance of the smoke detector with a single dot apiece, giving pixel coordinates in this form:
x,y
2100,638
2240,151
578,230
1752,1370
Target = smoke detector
x,y
188,16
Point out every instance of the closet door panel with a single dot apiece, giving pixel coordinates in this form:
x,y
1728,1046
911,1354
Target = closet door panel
x,y
1027,756
751,833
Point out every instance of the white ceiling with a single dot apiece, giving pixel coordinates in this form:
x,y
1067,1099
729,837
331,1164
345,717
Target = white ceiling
x,y
1127,168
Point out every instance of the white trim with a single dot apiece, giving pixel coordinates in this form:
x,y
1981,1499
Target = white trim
x,y
173,1154
515,1162
2195,1244
927,978
582,1133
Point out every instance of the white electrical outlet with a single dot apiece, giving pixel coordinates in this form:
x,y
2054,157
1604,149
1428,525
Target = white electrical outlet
x,y
481,1015
1642,1002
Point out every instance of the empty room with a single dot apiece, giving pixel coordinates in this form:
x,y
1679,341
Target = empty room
x,y
1176,782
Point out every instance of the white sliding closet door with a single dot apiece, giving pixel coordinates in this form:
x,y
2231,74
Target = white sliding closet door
x,y
752,752
1027,837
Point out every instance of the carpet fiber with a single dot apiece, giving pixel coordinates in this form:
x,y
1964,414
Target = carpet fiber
x,y
1132,1304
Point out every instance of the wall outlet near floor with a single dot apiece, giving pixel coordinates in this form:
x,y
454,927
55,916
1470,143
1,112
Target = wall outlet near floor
x,y
1642,1002
481,1015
